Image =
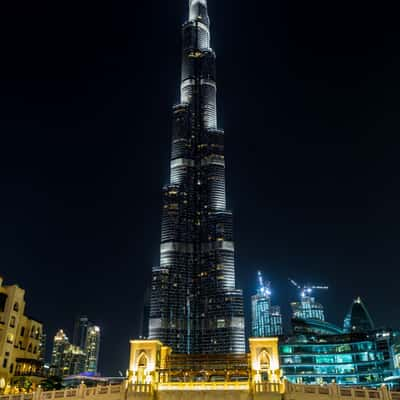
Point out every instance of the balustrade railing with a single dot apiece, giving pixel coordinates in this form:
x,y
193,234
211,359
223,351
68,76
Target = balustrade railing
x,y
294,391
340,392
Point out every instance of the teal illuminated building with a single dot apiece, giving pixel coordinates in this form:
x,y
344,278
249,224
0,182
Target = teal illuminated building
x,y
319,352
351,359
266,319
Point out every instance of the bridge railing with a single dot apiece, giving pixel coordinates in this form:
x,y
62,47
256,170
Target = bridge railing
x,y
337,392
80,392
268,387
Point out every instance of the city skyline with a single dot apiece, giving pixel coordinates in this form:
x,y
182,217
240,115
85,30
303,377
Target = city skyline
x,y
312,154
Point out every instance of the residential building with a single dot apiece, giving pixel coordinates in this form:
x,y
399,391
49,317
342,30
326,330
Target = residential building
x,y
20,338
67,359
81,326
92,349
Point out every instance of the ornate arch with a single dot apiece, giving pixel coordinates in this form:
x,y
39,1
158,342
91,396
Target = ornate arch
x,y
142,360
264,360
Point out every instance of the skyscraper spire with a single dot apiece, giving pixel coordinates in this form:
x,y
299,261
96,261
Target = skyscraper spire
x,y
198,11
195,306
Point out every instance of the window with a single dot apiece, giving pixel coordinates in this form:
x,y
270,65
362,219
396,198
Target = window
x,y
35,350
3,301
10,338
344,358
11,368
16,307
286,350
23,331
220,323
12,322
5,361
30,348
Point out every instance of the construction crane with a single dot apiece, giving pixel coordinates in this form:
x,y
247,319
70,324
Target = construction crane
x,y
306,290
265,288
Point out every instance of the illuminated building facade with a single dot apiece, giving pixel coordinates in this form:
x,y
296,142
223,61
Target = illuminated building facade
x,y
266,319
319,352
66,358
153,363
195,306
396,355
352,359
82,355
92,349
308,308
20,339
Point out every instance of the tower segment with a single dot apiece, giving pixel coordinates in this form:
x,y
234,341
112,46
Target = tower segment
x,y
195,306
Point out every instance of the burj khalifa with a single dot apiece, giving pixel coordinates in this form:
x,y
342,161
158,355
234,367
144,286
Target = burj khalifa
x,y
195,306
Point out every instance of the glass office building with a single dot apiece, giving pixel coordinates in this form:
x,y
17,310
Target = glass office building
x,y
345,359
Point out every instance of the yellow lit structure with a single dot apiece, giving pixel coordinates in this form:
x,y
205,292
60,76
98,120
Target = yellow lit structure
x,y
20,336
148,358
152,363
265,365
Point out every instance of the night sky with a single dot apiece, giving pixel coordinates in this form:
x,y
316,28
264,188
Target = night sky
x,y
309,99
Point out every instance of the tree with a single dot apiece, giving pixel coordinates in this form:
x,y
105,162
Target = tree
x,y
23,383
52,383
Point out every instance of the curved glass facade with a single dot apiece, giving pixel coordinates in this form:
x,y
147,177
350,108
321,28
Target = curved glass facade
x,y
344,359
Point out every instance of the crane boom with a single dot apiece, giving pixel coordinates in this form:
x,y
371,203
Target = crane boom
x,y
306,290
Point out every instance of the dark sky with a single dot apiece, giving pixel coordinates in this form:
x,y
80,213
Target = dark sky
x,y
309,99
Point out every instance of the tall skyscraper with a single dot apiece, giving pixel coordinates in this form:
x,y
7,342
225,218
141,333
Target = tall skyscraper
x,y
195,306
87,336
81,326
266,319
92,349
358,318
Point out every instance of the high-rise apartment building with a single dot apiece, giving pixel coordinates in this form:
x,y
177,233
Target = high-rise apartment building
x,y
85,346
195,306
92,349
20,338
266,319
67,359
81,326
